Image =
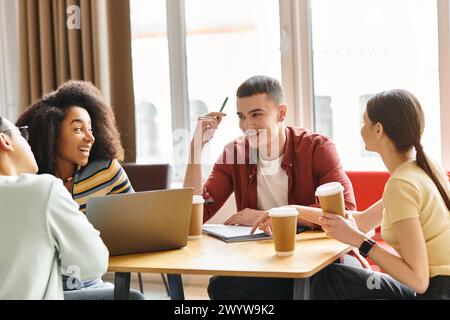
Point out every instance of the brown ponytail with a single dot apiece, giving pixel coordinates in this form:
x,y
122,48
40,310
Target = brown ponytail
x,y
403,122
426,165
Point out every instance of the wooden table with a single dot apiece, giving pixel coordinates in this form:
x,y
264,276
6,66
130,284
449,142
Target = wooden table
x,y
210,256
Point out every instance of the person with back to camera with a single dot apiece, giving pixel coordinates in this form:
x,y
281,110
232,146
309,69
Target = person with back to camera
x,y
42,233
73,135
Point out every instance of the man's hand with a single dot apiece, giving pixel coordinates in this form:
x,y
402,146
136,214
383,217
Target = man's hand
x,y
206,127
246,217
264,222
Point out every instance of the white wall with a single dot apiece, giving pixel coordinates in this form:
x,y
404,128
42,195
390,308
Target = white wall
x,y
9,61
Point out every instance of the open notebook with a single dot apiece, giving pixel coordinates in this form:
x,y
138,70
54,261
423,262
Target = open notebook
x,y
238,233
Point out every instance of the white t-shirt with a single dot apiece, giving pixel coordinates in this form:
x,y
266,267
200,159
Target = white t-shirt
x,y
272,184
42,234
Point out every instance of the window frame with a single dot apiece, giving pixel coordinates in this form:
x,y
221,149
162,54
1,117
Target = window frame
x,y
176,37
296,61
9,59
296,65
443,7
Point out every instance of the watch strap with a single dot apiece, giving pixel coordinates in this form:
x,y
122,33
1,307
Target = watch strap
x,y
366,246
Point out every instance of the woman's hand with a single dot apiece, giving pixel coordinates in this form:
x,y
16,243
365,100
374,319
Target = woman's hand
x,y
341,229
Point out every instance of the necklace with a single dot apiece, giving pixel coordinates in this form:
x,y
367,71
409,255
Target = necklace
x,y
67,180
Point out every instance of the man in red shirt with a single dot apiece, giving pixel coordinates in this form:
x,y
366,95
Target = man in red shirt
x,y
272,165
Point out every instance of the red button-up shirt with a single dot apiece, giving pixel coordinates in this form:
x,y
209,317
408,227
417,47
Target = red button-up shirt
x,y
310,160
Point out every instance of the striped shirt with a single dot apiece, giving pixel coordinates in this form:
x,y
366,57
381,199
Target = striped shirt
x,y
99,178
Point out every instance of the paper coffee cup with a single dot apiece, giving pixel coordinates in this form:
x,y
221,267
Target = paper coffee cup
x,y
195,229
284,229
331,198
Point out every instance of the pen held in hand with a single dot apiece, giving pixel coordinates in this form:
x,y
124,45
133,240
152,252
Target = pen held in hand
x,y
223,104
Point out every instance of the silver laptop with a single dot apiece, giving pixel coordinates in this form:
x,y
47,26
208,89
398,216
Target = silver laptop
x,y
142,221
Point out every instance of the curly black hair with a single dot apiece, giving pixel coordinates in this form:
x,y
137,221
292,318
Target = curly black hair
x,y
44,119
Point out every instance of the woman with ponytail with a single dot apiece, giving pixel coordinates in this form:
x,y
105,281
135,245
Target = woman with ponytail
x,y
414,214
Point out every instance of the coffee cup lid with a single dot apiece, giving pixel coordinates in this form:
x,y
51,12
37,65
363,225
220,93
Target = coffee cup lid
x,y
283,212
329,189
198,200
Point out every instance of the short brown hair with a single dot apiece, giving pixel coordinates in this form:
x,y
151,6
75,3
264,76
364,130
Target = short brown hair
x,y
261,84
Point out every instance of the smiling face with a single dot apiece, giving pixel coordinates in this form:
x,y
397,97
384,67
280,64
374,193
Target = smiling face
x,y
260,118
75,139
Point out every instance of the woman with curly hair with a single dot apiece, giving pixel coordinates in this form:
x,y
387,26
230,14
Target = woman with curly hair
x,y
73,135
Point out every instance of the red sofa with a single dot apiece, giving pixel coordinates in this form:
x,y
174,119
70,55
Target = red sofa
x,y
368,187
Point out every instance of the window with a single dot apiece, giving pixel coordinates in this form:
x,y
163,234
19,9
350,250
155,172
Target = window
x,y
9,60
362,47
338,52
227,41
151,81
324,118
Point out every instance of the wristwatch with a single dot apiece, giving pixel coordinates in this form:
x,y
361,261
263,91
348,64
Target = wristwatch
x,y
366,246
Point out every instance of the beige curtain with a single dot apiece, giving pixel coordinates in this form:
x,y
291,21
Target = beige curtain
x,y
100,51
